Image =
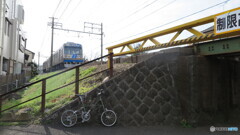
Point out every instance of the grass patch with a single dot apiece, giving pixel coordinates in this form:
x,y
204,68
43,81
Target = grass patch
x,y
12,123
57,98
184,123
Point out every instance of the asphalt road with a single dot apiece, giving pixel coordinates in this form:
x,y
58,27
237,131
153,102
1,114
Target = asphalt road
x,y
100,130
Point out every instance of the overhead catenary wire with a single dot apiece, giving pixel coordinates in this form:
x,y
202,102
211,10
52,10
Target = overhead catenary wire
x,y
168,23
74,9
100,5
57,8
65,9
151,13
142,8
44,38
135,12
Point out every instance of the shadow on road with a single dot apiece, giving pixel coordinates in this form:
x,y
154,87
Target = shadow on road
x,y
86,129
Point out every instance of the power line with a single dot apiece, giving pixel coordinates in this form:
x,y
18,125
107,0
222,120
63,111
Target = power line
x,y
57,7
90,14
135,12
145,16
80,1
65,9
142,8
43,40
169,22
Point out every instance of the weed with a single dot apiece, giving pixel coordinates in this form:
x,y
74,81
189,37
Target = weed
x,y
185,124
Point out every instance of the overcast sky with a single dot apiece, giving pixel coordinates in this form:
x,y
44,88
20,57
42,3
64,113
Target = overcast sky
x,y
121,20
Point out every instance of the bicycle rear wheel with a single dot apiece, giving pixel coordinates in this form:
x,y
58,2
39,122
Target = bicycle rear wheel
x,y
69,118
108,118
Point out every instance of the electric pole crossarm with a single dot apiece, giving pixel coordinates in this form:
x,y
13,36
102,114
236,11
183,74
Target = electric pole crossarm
x,y
77,31
92,23
91,27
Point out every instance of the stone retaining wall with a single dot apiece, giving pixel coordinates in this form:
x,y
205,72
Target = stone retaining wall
x,y
146,93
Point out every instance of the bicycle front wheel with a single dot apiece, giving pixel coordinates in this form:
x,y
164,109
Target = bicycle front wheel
x,y
108,118
69,118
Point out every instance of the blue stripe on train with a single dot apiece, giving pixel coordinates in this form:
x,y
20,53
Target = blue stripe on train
x,y
73,61
74,56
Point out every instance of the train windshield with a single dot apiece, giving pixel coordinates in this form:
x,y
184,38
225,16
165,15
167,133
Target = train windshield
x,y
72,50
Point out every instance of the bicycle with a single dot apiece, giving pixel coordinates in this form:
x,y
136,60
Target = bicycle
x,y
69,117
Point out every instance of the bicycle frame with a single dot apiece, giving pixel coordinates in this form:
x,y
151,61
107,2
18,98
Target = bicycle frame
x,y
92,104
108,117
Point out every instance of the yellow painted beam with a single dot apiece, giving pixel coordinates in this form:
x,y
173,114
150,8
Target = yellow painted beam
x,y
123,53
141,46
176,35
154,41
122,49
130,47
195,32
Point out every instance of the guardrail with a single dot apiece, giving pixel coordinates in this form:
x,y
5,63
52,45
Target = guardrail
x,y
43,81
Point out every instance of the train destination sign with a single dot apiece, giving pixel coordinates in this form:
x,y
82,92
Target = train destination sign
x,y
70,44
227,22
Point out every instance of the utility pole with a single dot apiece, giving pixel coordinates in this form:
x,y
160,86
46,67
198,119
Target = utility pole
x,y
52,27
52,24
101,42
51,61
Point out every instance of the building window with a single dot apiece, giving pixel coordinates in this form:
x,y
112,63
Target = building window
x,y
5,65
21,43
8,26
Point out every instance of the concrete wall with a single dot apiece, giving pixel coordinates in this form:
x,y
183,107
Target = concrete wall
x,y
208,89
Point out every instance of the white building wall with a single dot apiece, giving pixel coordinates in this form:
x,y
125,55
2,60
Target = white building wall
x,y
13,48
2,17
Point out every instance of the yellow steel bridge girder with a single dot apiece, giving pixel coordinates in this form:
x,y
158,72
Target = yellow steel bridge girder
x,y
178,42
122,49
154,41
199,36
167,31
131,48
141,46
195,32
176,35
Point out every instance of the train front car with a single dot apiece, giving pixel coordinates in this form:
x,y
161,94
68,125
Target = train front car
x,y
72,54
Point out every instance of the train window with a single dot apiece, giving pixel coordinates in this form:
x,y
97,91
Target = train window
x,y
72,50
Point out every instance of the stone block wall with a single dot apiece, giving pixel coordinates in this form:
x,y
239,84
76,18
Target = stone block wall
x,y
145,94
